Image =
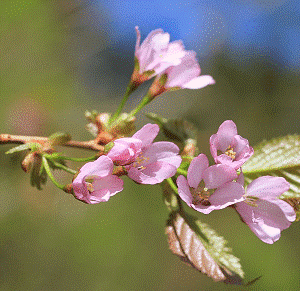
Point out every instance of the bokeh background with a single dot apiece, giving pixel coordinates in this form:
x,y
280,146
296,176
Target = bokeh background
x,y
59,58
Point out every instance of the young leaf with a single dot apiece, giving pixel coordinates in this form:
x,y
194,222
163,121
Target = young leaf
x,y
23,147
59,138
278,157
199,246
38,175
177,130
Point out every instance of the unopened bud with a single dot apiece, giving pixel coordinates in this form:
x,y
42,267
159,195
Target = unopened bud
x,y
59,138
190,148
126,126
30,160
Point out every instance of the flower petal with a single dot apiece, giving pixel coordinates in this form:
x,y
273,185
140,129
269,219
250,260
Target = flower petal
x,y
153,174
105,188
267,187
125,150
138,38
101,167
226,132
147,134
199,82
184,190
217,175
268,218
181,74
263,232
214,145
228,194
196,170
162,151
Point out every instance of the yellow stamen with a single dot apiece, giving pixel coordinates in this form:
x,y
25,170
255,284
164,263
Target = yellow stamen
x,y
230,153
90,187
139,160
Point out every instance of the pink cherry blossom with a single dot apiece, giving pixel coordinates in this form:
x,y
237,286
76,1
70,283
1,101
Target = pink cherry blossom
x,y
187,74
263,211
146,162
156,53
95,182
235,150
209,188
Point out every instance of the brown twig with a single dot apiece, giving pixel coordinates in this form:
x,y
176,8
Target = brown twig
x,y
21,139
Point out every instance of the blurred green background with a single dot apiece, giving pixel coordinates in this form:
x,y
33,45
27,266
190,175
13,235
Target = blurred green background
x,y
59,58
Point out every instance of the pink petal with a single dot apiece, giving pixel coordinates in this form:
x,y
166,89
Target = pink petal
x,y
125,150
226,132
147,134
268,187
263,232
153,173
199,82
241,179
268,218
105,188
174,53
162,151
225,160
80,188
181,74
217,175
138,39
196,170
184,190
102,167
148,53
228,194
275,213
240,145
214,145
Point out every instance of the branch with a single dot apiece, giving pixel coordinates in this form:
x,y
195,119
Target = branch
x,y
21,139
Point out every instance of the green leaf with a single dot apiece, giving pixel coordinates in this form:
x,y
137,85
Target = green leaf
x,y
23,147
38,175
59,138
279,157
200,247
180,131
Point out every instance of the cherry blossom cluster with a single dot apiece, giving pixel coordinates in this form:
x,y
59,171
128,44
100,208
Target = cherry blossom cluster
x,y
173,66
209,188
206,188
142,160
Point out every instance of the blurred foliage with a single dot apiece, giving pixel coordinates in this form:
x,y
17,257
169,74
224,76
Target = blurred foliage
x,y
56,62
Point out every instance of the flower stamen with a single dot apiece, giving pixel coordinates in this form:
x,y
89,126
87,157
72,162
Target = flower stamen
x,y
139,160
200,196
251,200
230,153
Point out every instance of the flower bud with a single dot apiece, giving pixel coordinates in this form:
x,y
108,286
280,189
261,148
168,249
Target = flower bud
x,y
126,126
28,161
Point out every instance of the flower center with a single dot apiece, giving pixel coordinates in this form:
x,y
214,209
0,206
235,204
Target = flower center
x,y
139,161
251,200
200,195
89,183
230,153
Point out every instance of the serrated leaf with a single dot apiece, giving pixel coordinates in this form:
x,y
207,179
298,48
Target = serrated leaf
x,y
200,247
178,130
24,147
279,157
